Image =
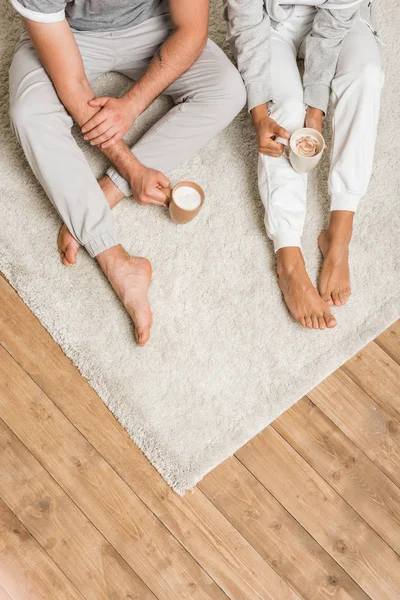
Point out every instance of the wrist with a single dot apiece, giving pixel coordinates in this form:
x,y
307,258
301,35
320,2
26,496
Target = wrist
x,y
132,104
259,112
315,112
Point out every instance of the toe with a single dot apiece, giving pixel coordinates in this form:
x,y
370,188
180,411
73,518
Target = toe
x,y
330,320
302,321
70,254
308,322
326,297
142,336
314,319
321,323
336,299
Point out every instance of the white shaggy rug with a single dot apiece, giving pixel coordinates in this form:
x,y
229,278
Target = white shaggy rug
x,y
225,358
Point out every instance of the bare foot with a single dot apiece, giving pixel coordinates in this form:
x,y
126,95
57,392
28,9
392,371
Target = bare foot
x,y
301,297
67,246
130,277
334,281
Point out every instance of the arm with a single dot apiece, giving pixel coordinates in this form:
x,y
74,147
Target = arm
x,y
174,57
323,46
249,32
60,56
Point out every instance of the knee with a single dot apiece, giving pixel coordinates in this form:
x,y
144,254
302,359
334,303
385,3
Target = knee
x,y
235,91
229,93
19,116
369,77
289,113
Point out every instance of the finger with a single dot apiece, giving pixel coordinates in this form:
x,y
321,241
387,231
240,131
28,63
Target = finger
x,y
271,153
97,131
158,196
94,121
163,180
281,131
113,140
150,200
272,146
104,137
99,101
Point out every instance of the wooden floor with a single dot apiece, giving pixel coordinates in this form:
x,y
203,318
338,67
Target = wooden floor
x,y
310,508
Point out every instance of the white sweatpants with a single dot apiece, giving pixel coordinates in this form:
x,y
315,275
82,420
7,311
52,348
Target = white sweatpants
x,y
207,97
355,97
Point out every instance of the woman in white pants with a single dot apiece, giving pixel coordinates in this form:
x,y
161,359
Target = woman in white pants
x,y
341,61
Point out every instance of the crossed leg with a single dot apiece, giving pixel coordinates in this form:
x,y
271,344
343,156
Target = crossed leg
x,y
43,128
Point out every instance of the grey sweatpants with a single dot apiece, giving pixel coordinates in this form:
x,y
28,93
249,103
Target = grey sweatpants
x,y
207,97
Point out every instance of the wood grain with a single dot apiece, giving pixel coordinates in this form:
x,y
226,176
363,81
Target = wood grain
x,y
70,539
363,421
276,526
378,375
151,551
348,470
389,341
324,514
26,571
222,551
277,536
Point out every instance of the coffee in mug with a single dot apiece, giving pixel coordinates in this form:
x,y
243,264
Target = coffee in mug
x,y
185,200
304,149
306,145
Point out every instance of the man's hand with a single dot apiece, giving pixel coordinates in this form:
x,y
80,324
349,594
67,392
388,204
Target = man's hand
x,y
111,123
314,118
146,185
267,129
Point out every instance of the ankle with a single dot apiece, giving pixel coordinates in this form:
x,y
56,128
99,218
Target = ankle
x,y
112,258
340,227
289,260
110,190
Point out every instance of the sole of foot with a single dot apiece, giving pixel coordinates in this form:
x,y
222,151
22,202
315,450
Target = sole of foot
x,y
302,299
67,247
334,280
131,277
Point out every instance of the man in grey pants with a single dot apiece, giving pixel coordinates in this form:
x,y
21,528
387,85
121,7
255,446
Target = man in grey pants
x,y
163,47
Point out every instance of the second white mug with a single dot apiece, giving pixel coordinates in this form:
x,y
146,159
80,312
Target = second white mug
x,y
303,164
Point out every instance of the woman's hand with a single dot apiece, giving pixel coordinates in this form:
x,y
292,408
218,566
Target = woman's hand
x,y
314,118
111,123
267,130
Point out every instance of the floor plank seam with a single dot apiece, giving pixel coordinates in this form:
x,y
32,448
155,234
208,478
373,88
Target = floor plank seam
x,y
304,529
57,567
116,472
355,443
336,492
75,504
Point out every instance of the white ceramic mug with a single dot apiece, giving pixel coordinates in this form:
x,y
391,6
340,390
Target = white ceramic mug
x,y
302,164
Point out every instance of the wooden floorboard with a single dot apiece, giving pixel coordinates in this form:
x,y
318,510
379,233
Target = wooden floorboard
x,y
308,509
344,467
362,420
338,528
26,570
70,539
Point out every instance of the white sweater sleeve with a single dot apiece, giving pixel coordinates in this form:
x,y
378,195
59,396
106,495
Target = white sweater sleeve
x,y
249,35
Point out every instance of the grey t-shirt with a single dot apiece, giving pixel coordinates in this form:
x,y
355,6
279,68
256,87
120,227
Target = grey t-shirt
x,y
91,15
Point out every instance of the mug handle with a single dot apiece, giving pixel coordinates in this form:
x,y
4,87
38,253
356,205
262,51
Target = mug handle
x,y
168,194
285,143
